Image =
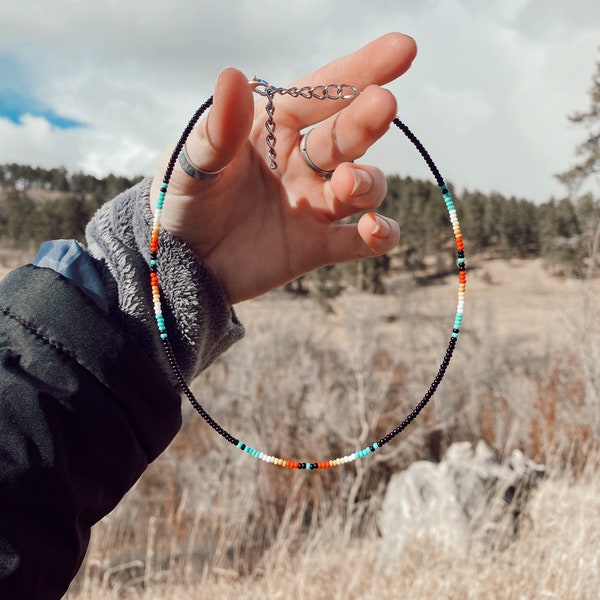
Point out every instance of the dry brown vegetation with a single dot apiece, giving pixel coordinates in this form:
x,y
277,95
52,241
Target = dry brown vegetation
x,y
555,557
11,259
207,521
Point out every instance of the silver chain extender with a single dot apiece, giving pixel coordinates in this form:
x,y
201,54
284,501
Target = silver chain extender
x,y
331,91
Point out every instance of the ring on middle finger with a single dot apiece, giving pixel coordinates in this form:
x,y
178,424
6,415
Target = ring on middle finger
x,y
326,174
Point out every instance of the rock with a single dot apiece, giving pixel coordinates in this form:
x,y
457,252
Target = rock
x,y
469,497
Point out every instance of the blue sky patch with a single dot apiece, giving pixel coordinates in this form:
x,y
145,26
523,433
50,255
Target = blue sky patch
x,y
17,97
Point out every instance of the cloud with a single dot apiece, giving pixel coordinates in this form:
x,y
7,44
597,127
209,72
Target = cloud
x,y
544,19
34,141
489,92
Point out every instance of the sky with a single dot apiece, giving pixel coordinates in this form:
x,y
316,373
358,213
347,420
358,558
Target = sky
x,y
103,87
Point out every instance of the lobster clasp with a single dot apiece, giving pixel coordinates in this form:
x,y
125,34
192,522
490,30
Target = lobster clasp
x,y
260,86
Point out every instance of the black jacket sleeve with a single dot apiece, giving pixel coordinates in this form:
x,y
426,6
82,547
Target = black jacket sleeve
x,y
83,410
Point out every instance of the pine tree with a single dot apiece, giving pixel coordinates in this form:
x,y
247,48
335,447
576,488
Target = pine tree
x,y
589,150
17,211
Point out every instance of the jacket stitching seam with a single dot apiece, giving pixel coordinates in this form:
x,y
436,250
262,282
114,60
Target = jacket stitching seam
x,y
31,328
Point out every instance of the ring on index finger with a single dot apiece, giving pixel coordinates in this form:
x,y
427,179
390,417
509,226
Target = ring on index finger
x,y
189,168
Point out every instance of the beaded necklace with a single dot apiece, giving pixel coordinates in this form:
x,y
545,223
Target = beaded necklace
x,y
323,92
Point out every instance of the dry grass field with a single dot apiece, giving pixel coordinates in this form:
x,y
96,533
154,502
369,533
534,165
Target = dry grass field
x,y
207,521
555,557
11,259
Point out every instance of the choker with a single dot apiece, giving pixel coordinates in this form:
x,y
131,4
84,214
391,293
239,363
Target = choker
x,y
321,92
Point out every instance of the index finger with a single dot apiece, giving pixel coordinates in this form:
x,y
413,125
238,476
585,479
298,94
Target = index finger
x,y
379,62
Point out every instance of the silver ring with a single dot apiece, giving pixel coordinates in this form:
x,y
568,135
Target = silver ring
x,y
308,161
192,170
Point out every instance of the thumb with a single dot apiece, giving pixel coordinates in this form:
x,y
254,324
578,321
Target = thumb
x,y
217,139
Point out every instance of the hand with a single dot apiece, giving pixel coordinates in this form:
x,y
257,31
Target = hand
x,y
257,228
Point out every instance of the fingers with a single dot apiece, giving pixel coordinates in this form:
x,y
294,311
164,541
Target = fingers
x,y
373,235
216,139
379,62
348,134
354,188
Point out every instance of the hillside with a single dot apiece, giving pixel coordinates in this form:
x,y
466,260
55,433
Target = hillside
x,y
207,521
340,362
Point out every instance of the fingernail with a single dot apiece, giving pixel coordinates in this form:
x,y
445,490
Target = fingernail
x,y
381,228
362,182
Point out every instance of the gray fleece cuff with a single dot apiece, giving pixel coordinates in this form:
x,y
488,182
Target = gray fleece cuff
x,y
200,322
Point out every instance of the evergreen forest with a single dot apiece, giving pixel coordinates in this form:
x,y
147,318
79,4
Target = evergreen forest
x,y
38,204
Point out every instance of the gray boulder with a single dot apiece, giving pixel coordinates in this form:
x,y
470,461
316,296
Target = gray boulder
x,y
469,497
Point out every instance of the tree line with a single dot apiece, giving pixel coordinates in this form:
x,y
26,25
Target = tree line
x,y
563,232
40,204
25,177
